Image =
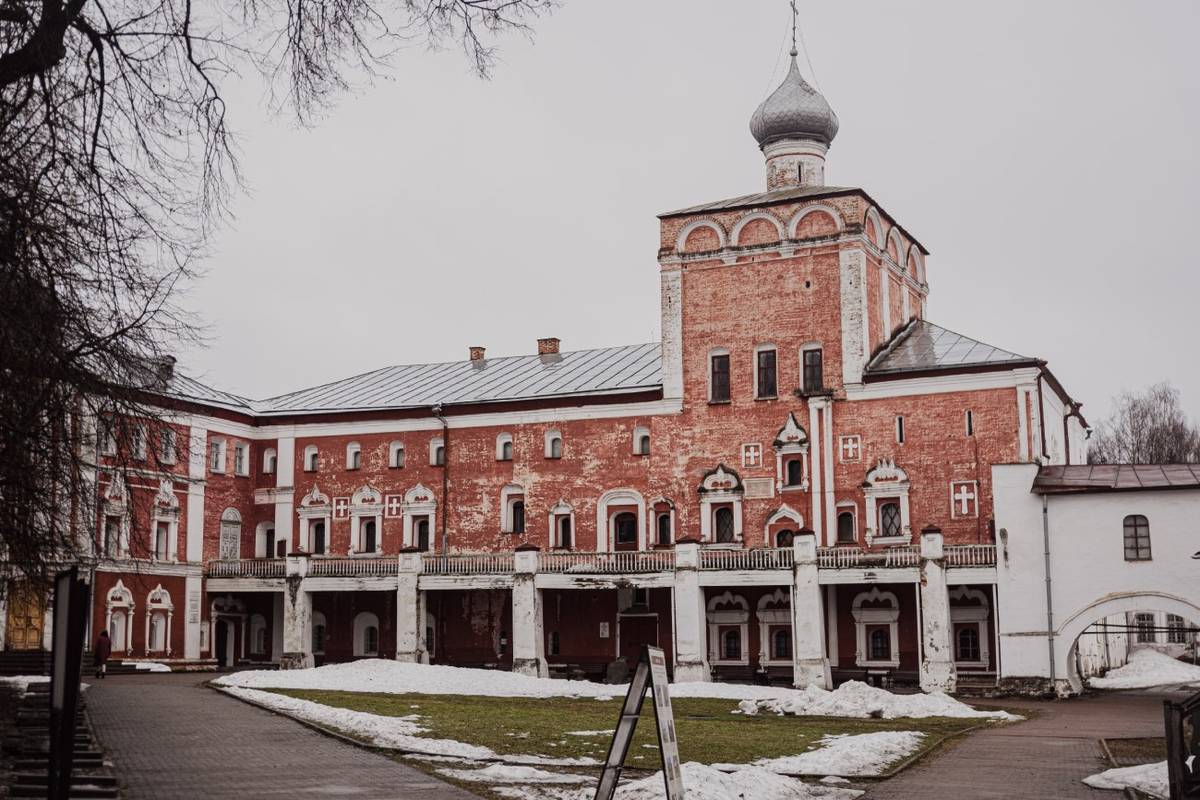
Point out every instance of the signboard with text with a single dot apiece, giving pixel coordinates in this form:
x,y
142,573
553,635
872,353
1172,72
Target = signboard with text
x,y
651,673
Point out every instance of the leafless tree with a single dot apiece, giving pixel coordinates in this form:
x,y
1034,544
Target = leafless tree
x,y
1149,427
117,162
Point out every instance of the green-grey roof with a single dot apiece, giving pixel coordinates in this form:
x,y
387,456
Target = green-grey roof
x,y
924,347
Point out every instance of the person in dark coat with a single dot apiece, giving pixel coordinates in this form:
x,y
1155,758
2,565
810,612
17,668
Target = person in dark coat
x,y
102,651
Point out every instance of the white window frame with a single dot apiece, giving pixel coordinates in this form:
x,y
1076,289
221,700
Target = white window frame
x,y
551,436
270,461
241,459
353,456
967,615
312,458
396,455
419,502
106,436
728,618
366,504
559,511
886,481
508,496
780,615
900,432
434,444
165,510
314,507
217,455
137,442
711,497
503,439
873,617
804,348
843,507
167,443
764,348
362,621
718,351
639,433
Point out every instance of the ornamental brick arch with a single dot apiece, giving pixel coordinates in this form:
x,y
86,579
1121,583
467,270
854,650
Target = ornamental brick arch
x,y
700,236
815,220
756,228
873,227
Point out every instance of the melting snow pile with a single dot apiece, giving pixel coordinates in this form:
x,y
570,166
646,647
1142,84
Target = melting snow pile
x,y
857,699
149,666
1148,778
400,733
21,682
1147,669
859,754
508,773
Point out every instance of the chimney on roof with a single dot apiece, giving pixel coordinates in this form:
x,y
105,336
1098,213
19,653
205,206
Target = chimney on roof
x,y
164,371
548,346
477,353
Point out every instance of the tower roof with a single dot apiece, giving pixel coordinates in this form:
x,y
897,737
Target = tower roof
x,y
795,110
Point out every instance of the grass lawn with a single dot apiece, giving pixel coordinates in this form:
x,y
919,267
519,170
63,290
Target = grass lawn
x,y
706,729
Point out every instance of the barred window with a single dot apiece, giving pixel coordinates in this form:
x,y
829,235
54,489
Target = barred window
x,y
1137,538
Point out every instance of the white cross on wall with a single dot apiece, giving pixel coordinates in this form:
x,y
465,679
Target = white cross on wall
x,y
850,447
340,505
393,506
965,498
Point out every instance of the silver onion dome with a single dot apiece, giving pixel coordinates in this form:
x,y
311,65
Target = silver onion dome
x,y
794,111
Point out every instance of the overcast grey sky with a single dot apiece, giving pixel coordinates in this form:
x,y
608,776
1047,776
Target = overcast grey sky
x,y
1044,152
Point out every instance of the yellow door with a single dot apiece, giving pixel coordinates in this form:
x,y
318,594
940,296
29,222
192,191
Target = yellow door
x,y
26,616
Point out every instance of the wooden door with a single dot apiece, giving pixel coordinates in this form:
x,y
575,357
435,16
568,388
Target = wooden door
x,y
26,618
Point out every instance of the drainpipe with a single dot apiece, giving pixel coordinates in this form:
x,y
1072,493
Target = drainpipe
x,y
1049,594
437,412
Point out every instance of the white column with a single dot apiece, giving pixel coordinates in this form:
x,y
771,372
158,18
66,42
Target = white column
x,y
937,663
810,667
297,616
410,610
853,291
529,657
194,541
830,516
191,620
691,630
285,477
815,449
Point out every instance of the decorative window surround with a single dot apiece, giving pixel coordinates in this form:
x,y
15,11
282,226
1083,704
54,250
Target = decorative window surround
x,y
363,621
353,456
437,452
216,456
561,511
137,444
366,504
270,461
606,533
845,506
661,507
876,616
396,455
166,446
739,615
504,447
311,458
258,635
886,481
166,510
230,541
116,506
314,507
510,494
779,613
159,601
419,502
641,441
120,601
718,487
792,440
976,615
553,444
783,512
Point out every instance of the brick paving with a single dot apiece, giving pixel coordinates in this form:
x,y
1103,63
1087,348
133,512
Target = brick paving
x,y
1046,757
170,738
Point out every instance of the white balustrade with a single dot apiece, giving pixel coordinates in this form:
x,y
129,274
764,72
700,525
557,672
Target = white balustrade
x,y
622,561
468,564
383,567
758,558
247,568
970,555
858,557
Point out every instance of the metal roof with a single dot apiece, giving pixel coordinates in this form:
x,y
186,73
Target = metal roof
x,y
603,371
185,388
1115,478
922,346
794,111
764,198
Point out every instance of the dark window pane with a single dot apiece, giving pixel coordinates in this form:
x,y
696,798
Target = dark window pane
x,y
785,538
626,524
766,373
518,517
889,519
813,378
845,527
664,528
724,520
795,472
720,378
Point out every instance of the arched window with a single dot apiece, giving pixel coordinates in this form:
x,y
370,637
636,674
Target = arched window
x,y
889,519
564,531
158,631
504,447
318,632
723,522
785,538
316,531
641,441
553,444
231,534
518,516
162,540
795,472
781,644
370,541
731,645
396,455
1137,538
423,534
366,634
310,458
968,644
664,527
269,461
880,644
371,641
258,634
353,456
625,526
437,452
845,528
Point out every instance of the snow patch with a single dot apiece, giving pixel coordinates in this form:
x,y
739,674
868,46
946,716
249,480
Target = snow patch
x,y
149,666
1148,778
609,732
21,682
857,699
1148,669
507,773
842,754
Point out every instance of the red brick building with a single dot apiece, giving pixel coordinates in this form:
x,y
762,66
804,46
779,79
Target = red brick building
x,y
794,483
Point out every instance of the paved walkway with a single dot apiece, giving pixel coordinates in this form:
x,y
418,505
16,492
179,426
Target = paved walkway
x,y
1046,757
169,737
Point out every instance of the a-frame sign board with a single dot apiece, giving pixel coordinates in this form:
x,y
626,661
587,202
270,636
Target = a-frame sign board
x,y
651,673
